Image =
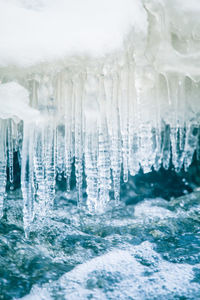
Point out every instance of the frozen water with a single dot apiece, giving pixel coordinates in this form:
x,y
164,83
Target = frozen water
x,y
34,31
14,102
137,107
134,107
92,93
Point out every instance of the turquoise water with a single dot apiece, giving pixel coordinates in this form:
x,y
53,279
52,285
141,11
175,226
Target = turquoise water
x,y
142,249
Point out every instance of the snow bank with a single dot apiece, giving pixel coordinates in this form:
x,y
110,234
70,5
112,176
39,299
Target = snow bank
x,y
38,31
14,103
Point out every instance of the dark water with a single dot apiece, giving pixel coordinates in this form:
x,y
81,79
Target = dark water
x,y
147,249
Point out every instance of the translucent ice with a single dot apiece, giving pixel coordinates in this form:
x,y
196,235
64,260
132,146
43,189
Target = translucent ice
x,y
109,110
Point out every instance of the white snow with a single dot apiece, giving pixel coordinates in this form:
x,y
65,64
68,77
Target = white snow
x,y
38,31
14,103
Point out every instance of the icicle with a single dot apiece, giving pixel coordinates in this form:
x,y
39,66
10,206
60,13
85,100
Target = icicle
x,y
60,98
121,113
2,164
78,85
116,155
146,155
27,176
175,84
192,121
91,141
10,137
182,108
69,144
124,117
91,170
44,169
49,161
133,138
39,170
190,143
166,147
134,133
104,151
138,117
60,150
157,131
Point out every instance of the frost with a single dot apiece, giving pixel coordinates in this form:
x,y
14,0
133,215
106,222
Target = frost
x,y
134,107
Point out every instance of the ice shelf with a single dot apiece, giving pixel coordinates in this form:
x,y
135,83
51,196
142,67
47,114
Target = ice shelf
x,y
136,107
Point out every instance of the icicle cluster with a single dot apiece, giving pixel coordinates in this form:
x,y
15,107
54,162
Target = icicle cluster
x,y
137,109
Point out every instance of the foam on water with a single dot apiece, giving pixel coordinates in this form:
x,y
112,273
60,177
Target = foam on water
x,y
132,273
121,254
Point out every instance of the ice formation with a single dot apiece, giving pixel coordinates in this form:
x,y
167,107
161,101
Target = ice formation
x,y
107,103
